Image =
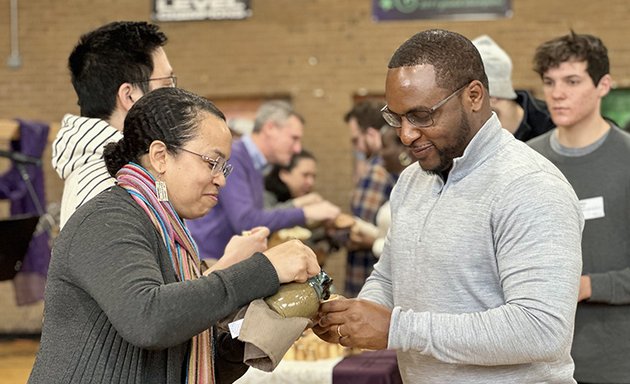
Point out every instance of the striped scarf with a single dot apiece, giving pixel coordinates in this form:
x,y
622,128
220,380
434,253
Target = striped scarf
x,y
182,251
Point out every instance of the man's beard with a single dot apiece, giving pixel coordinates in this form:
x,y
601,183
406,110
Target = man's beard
x,y
447,154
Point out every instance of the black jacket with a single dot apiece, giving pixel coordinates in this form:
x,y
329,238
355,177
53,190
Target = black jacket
x,y
536,120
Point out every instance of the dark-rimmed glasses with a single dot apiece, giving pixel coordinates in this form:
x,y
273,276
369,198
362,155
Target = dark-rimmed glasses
x,y
422,118
172,78
216,165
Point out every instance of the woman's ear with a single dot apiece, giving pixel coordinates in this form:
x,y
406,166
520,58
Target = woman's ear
x,y
157,156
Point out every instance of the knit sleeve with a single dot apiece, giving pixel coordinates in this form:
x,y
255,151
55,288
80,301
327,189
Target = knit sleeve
x,y
537,225
117,257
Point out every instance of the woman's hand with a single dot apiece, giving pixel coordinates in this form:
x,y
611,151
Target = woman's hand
x,y
293,261
242,247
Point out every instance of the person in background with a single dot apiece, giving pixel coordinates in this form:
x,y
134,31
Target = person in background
x,y
395,159
292,185
126,300
479,275
370,192
519,112
276,137
111,68
364,134
593,154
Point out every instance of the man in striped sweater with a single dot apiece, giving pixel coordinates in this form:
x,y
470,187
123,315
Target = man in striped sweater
x,y
111,68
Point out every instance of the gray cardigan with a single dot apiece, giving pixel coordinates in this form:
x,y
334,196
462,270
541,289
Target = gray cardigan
x,y
115,312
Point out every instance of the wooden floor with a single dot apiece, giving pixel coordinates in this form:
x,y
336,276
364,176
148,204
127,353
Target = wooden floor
x,y
16,359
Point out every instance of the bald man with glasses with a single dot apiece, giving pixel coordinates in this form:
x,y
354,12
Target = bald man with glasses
x,y
479,276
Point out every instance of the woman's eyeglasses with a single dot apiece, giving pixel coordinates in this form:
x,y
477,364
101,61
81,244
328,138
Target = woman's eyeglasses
x,y
216,165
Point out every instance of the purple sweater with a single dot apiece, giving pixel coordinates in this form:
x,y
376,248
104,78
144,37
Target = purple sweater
x,y
240,208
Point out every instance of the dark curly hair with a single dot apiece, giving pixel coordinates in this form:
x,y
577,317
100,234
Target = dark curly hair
x,y
455,59
573,47
170,115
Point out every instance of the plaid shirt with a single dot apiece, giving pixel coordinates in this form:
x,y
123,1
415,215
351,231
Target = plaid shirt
x,y
371,192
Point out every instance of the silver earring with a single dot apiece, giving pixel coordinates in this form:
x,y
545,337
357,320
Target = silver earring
x,y
160,187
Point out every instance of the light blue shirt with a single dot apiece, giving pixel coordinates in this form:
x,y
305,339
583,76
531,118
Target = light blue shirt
x,y
260,162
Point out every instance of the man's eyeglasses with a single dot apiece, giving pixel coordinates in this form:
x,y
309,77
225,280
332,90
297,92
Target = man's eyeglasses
x,y
420,118
172,80
216,165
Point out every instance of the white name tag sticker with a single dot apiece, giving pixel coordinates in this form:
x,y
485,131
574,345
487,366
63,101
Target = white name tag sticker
x,y
593,208
235,328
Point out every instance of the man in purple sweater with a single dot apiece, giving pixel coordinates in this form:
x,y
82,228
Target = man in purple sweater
x,y
276,137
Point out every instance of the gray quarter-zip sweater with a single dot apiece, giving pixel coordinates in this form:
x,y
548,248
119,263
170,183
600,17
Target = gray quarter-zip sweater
x,y
482,272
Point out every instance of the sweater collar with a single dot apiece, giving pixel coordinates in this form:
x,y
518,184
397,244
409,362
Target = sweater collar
x,y
486,142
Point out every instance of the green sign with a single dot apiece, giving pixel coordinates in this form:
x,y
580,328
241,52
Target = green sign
x,y
440,9
616,106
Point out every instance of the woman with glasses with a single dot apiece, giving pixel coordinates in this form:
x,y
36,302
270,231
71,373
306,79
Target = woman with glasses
x,y
126,301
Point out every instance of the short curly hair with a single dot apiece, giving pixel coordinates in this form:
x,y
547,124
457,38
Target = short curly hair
x,y
573,47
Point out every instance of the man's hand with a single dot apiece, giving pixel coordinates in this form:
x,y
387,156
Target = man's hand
x,y
354,323
362,235
359,241
308,199
320,212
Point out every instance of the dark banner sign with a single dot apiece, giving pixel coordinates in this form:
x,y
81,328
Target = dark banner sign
x,y
183,10
440,9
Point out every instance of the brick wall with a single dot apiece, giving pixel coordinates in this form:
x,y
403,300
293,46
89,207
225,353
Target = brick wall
x,y
320,53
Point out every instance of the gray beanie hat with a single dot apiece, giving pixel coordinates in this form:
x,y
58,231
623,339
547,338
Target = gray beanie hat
x,y
498,66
